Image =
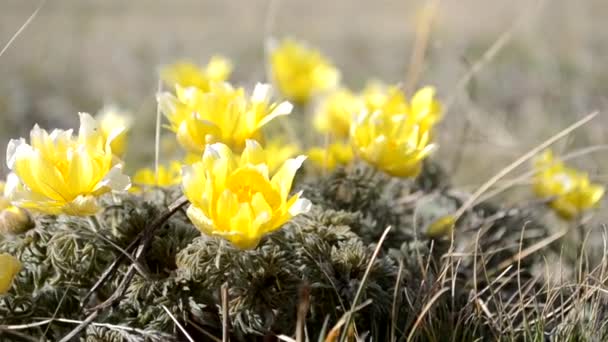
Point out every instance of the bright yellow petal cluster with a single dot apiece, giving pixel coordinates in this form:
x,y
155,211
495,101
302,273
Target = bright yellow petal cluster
x,y
391,142
336,154
224,114
188,74
277,152
393,134
112,118
570,190
300,72
336,113
168,175
423,109
236,198
9,267
57,173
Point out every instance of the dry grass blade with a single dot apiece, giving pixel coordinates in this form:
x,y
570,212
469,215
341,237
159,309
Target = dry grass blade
x,y
25,24
395,294
203,331
423,32
303,305
505,171
157,133
285,338
489,54
363,281
532,249
80,327
179,326
335,331
426,308
225,327
527,175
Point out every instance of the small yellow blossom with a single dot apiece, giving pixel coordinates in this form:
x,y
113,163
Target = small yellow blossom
x,y
443,226
423,109
224,114
277,152
110,119
336,113
9,267
168,175
391,143
570,190
13,220
336,154
188,74
236,198
388,99
58,173
300,72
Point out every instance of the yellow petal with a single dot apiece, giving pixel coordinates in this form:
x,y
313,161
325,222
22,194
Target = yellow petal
x,y
252,154
9,267
283,179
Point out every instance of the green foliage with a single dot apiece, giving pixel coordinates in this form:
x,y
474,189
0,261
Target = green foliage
x,y
324,253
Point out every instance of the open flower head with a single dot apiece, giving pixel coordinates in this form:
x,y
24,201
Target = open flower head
x,y
423,108
188,74
570,191
168,175
391,143
301,72
236,198
223,114
336,154
336,112
111,119
9,267
58,173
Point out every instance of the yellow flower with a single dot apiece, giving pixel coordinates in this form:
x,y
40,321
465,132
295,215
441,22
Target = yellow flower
x,y
13,220
389,99
110,119
167,176
336,113
9,267
570,190
391,143
300,72
277,152
423,109
236,198
58,173
188,74
336,154
223,114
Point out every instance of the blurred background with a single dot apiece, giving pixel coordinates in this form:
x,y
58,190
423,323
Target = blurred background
x,y
78,55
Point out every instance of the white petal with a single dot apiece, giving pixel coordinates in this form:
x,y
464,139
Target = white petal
x,y
284,108
61,135
301,206
12,185
13,148
88,125
166,102
115,180
261,93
